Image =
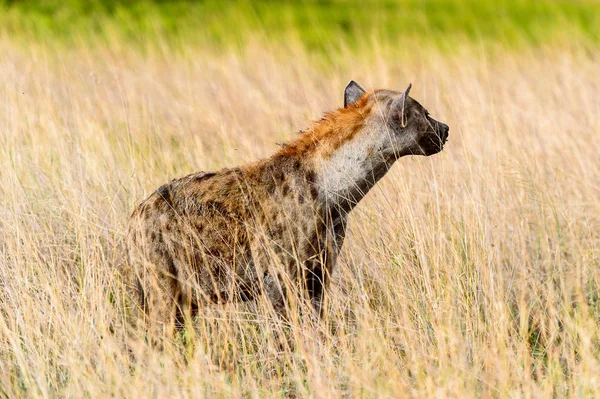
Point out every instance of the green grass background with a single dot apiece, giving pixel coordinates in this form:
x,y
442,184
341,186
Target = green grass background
x,y
321,26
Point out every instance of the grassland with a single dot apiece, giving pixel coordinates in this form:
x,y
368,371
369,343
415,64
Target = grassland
x,y
472,273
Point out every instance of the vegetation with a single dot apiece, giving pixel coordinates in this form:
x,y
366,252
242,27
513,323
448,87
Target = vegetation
x,y
318,25
472,273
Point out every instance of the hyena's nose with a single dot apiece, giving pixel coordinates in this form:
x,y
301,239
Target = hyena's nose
x,y
444,129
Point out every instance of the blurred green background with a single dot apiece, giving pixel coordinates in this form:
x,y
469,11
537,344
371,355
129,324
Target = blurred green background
x,y
320,26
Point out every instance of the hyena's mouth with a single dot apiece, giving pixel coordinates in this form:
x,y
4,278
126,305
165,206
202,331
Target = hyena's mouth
x,y
434,142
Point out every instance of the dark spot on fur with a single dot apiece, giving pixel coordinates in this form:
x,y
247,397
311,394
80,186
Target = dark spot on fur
x,y
285,189
204,176
164,192
144,211
246,295
278,176
314,192
275,230
301,198
263,218
219,298
216,207
216,252
163,251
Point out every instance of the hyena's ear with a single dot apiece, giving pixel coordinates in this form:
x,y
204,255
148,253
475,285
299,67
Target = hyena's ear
x,y
400,104
407,90
352,93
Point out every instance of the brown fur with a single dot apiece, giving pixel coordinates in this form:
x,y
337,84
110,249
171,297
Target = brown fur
x,y
332,130
265,228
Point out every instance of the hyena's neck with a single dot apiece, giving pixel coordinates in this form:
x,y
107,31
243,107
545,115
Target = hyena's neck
x,y
346,175
346,150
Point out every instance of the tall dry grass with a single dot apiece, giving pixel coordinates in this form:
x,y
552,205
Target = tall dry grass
x,y
474,272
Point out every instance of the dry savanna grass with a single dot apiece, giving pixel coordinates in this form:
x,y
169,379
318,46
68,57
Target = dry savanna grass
x,y
474,272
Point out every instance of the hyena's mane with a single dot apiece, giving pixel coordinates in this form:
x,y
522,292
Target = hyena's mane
x,y
331,131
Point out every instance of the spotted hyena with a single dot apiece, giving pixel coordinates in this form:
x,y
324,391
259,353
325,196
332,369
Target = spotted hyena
x,y
275,226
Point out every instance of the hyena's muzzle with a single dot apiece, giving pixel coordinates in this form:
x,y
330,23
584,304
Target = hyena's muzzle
x,y
433,142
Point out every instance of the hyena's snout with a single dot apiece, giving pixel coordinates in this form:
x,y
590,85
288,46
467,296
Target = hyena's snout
x,y
435,140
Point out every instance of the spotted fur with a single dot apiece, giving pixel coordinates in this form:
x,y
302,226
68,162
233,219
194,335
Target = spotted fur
x,y
275,226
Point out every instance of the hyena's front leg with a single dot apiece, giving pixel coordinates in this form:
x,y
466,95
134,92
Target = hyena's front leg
x,y
318,271
316,279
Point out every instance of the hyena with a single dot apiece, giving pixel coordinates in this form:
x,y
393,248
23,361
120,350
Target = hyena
x,y
274,227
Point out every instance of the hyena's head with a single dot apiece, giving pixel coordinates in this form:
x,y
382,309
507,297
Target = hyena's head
x,y
403,126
